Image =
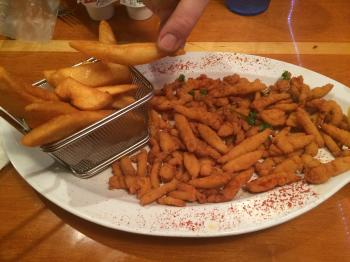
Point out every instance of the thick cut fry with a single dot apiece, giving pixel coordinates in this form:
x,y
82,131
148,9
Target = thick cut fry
x,y
83,97
323,172
304,120
62,126
118,89
122,101
127,54
171,201
212,138
142,163
158,192
91,74
105,33
41,93
186,133
269,182
243,162
213,181
247,145
191,164
13,96
337,134
39,113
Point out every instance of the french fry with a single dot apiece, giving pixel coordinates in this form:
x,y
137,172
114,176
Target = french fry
x,y
118,89
127,54
41,93
120,102
13,96
105,33
83,97
91,74
61,126
39,113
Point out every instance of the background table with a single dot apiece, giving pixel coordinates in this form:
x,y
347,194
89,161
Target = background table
x,y
312,33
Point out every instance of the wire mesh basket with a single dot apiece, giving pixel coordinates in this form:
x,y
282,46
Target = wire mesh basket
x,y
91,150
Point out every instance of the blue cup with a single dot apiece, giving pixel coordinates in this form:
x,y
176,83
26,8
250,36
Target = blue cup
x,y
247,7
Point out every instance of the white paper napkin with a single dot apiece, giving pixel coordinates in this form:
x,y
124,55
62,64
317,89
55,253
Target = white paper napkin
x,y
3,157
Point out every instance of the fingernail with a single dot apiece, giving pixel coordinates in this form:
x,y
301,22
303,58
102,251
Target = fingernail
x,y
169,42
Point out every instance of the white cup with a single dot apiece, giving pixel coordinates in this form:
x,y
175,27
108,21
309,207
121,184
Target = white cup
x,y
139,13
100,13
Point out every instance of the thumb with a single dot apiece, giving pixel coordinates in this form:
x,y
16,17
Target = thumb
x,y
177,28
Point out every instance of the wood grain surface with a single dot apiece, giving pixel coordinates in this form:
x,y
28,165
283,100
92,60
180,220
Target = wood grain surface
x,y
312,33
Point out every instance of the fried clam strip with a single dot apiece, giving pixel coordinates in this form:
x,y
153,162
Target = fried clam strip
x,y
291,143
269,182
186,133
231,189
243,162
319,92
212,138
331,145
333,113
201,115
274,117
242,87
247,145
262,102
304,120
337,134
321,173
212,181
158,192
292,165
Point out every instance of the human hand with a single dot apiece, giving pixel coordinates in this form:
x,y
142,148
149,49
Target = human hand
x,y
178,17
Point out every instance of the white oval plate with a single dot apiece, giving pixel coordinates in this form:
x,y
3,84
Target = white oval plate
x,y
90,199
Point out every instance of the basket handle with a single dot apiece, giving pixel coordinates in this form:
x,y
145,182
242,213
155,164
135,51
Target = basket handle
x,y
19,125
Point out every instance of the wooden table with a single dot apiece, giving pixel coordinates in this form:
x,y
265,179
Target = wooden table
x,y
310,33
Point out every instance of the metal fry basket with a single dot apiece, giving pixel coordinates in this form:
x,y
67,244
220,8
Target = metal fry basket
x,y
91,150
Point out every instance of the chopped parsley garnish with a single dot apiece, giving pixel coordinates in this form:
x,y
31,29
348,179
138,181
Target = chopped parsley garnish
x,y
286,75
203,91
181,78
251,119
264,126
191,92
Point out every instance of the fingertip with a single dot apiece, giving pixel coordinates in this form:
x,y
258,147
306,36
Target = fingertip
x,y
169,43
